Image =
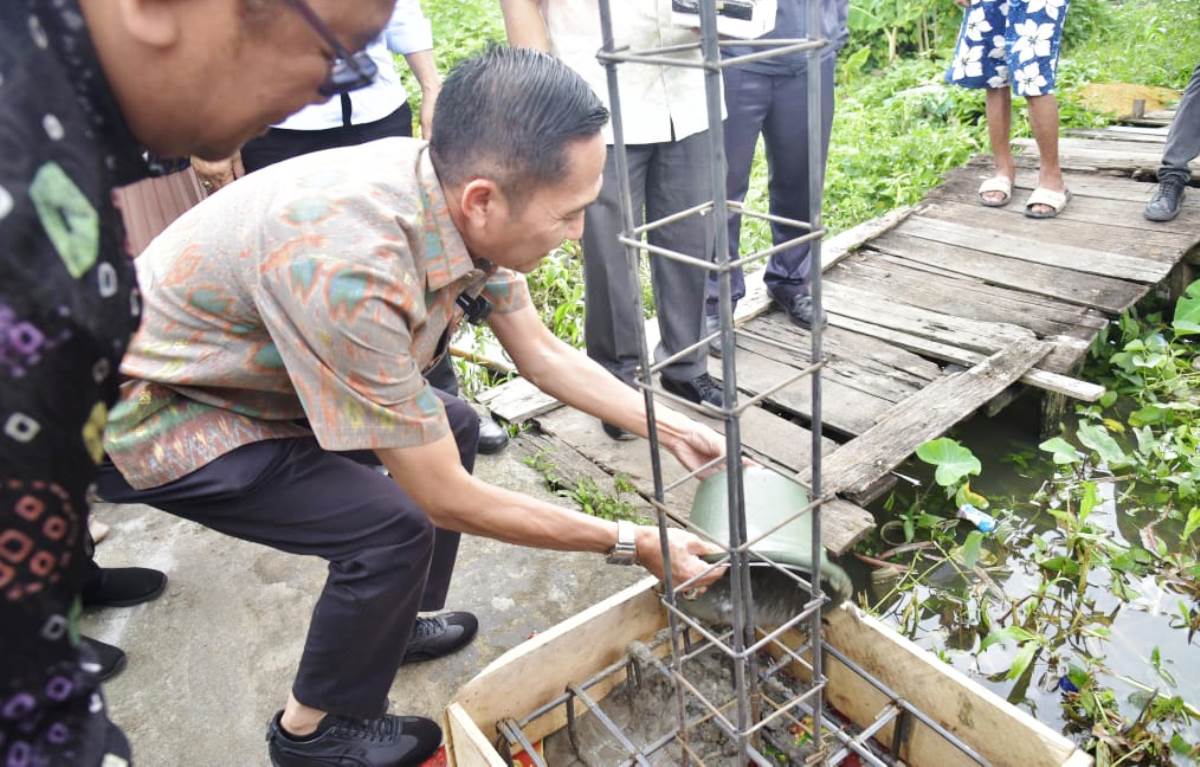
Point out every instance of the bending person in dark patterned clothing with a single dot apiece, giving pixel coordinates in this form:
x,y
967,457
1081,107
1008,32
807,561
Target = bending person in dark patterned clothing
x,y
85,89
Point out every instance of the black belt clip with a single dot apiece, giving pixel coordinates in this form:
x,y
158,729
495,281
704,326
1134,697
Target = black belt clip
x,y
476,309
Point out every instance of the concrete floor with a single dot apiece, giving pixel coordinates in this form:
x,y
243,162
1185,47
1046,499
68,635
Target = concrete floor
x,y
213,658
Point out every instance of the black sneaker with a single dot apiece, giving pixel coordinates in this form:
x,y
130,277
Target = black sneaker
x,y
1167,200
702,388
441,635
103,660
342,741
123,587
492,436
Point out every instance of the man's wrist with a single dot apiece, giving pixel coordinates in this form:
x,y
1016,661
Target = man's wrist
x,y
624,551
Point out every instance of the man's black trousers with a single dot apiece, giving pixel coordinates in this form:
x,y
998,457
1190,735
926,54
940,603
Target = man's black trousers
x,y
386,559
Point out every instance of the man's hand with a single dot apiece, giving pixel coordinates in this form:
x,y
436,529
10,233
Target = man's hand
x,y
686,550
697,446
214,175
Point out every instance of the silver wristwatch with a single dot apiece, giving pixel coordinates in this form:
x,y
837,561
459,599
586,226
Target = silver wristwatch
x,y
625,552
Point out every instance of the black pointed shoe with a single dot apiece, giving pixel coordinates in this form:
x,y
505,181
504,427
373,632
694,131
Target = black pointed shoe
x,y
440,635
492,436
702,388
342,741
123,587
102,659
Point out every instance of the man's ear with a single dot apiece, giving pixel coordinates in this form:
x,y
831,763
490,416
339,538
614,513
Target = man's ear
x,y
481,200
154,23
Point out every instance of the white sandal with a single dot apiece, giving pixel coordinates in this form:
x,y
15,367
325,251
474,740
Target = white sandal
x,y
1055,201
998,183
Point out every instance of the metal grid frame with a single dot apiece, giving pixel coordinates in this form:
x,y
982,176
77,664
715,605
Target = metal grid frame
x,y
757,697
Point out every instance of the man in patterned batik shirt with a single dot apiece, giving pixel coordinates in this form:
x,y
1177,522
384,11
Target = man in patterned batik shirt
x,y
84,86
288,321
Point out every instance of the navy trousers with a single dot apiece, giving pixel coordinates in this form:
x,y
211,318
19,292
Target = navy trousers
x,y
775,106
386,559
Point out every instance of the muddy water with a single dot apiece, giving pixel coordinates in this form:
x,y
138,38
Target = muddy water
x,y
1139,627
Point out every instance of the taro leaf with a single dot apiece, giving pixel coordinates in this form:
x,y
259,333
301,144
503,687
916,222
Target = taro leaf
x,y
969,552
1108,398
1064,452
1148,415
1187,312
1088,501
953,461
966,495
1022,661
1193,523
1097,438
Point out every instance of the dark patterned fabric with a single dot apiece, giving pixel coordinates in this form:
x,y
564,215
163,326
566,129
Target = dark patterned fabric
x,y
68,305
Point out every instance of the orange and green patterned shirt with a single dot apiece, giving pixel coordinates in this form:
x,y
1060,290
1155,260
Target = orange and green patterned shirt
x,y
315,290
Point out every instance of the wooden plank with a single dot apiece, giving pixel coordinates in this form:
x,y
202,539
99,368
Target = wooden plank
x,y
517,400
965,297
846,409
571,467
1153,136
843,347
997,232
849,357
465,744
538,670
1095,200
924,416
1101,155
877,309
1000,732
1110,295
833,250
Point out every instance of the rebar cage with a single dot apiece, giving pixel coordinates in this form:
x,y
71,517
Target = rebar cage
x,y
757,698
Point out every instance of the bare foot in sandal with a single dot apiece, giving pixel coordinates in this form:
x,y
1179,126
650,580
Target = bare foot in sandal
x,y
1051,195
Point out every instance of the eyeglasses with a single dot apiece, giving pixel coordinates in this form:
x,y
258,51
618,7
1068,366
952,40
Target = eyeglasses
x,y
348,71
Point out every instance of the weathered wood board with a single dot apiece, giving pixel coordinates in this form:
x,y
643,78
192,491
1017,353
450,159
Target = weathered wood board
x,y
858,464
1105,293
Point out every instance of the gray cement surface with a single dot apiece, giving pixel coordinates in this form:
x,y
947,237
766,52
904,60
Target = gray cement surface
x,y
212,659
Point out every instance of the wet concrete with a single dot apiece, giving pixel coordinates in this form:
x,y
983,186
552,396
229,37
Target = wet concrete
x,y
213,658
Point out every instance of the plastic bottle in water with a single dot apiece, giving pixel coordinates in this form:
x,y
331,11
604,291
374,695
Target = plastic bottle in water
x,y
983,521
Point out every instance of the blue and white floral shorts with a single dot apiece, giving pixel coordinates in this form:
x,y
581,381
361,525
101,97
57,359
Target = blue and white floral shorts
x,y
1009,42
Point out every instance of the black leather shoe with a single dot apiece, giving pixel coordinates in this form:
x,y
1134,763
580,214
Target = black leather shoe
x,y
342,741
702,388
492,436
617,433
1167,200
441,635
123,587
799,309
103,660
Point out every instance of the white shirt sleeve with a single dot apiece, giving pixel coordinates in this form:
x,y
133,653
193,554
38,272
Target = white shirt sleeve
x,y
409,30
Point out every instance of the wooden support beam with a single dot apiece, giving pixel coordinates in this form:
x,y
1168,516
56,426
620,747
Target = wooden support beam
x,y
929,413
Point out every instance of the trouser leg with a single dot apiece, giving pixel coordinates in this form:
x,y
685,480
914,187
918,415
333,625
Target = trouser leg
x,y
678,178
747,99
295,497
610,288
785,133
1183,140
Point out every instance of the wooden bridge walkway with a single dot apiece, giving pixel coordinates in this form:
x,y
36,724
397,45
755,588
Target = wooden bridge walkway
x,y
934,312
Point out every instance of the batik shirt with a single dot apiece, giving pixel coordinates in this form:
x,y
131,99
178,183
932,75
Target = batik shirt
x,y
307,298
67,308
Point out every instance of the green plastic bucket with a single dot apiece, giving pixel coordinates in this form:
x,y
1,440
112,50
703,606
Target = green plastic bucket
x,y
770,498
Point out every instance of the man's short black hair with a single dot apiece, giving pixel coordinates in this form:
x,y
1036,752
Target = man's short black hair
x,y
508,114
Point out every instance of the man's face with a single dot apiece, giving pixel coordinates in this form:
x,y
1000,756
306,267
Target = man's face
x,y
550,215
243,72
